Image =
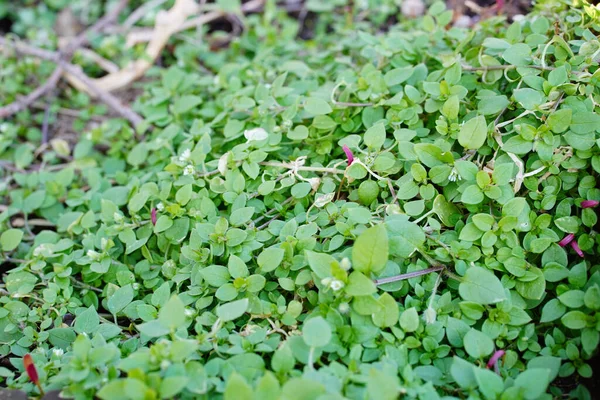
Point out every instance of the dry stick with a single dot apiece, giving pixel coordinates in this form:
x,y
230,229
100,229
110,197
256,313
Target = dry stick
x,y
408,275
104,96
140,12
24,102
98,26
52,81
110,100
146,35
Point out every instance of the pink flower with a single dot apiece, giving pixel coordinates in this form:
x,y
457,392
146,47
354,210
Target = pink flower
x,y
495,357
575,247
349,154
566,240
153,216
589,203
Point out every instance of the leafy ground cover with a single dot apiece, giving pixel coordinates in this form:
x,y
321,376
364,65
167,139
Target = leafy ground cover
x,y
365,214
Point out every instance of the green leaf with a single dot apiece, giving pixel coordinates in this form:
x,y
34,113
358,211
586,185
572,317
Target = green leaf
x,y
481,286
375,136
409,320
517,54
317,106
473,133
405,237
233,310
530,99
370,250
477,344
172,385
120,299
388,314
490,384
585,122
186,103
10,239
574,320
316,332
269,259
87,321
533,382
359,285
241,216
320,263
237,388
172,314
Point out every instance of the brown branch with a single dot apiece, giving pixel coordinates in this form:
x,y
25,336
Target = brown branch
x,y
75,71
24,102
110,100
83,38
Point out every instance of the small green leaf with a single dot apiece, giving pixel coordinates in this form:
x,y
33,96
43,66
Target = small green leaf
x,y
473,133
317,106
316,332
370,250
233,310
10,239
481,286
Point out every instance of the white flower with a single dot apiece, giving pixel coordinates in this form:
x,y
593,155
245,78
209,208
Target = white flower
x,y
58,352
93,255
332,283
454,175
255,134
222,166
315,183
430,315
118,217
188,170
345,264
185,156
336,285
160,206
189,312
42,250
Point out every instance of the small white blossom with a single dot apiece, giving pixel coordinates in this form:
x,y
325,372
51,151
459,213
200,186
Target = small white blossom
x,y
118,217
255,134
188,170
93,255
58,352
454,175
160,206
185,156
42,250
430,315
332,283
336,285
222,166
315,183
345,264
189,312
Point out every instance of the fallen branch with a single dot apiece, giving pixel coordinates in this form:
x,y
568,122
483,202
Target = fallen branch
x,y
24,102
83,38
76,72
146,35
167,23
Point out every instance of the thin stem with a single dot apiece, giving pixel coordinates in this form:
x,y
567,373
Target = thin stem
x,y
504,67
302,168
408,275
